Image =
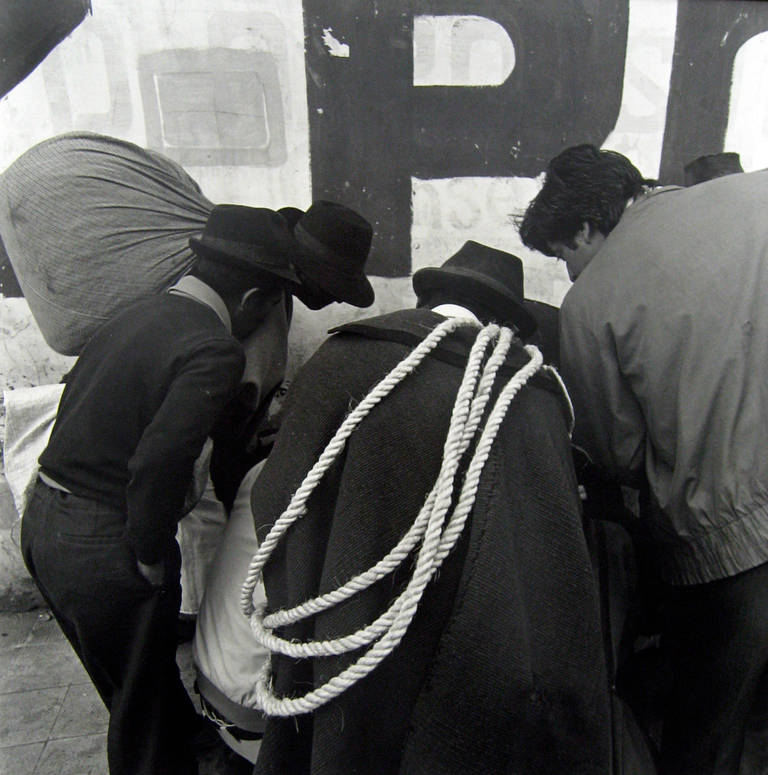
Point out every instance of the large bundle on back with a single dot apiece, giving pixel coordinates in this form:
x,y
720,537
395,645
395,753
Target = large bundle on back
x,y
91,224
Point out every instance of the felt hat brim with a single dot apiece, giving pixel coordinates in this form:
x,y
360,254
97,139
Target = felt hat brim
x,y
243,259
466,283
352,288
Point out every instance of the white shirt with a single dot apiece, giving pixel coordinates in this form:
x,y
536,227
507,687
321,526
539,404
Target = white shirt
x,y
455,311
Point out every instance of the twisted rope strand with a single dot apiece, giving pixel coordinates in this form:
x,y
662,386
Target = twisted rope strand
x,y
395,557
297,506
472,478
571,414
436,539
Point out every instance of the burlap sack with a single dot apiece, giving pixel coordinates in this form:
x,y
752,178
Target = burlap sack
x,y
92,223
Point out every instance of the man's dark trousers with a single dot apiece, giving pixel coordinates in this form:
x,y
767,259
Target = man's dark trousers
x,y
719,664
122,628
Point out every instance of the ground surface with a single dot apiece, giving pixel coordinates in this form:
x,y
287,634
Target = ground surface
x,y
51,719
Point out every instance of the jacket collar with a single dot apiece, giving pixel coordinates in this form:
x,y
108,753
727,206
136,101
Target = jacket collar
x,y
410,326
194,288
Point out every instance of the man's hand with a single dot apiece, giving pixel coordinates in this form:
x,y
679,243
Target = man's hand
x,y
154,574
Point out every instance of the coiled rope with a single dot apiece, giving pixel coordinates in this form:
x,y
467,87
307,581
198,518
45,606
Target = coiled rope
x,y
437,538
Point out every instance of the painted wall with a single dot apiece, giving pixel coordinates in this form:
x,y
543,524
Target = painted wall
x,y
434,119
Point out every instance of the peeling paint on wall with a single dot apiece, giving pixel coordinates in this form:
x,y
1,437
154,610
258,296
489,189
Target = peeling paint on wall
x,y
335,48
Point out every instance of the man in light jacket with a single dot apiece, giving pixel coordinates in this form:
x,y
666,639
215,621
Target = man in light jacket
x,y
664,337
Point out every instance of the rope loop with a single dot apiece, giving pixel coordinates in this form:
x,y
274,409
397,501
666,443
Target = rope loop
x,y
433,533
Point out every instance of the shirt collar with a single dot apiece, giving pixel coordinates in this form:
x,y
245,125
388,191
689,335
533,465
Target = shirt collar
x,y
194,288
455,311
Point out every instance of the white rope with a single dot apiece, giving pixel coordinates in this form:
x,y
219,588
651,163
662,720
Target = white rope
x,y
410,540
436,537
415,534
571,415
297,507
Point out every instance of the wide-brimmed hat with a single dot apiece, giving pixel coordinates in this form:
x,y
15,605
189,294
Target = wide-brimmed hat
x,y
336,241
256,240
712,165
486,276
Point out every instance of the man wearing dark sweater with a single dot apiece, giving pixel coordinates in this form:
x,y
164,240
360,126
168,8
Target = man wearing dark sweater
x,y
98,533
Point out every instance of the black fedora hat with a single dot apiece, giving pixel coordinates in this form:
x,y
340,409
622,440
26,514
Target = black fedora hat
x,y
712,165
486,276
291,215
256,240
335,242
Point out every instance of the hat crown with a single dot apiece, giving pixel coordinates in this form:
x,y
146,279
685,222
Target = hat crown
x,y
337,233
489,263
336,241
486,280
256,226
253,239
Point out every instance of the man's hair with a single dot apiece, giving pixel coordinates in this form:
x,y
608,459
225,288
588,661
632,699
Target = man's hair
x,y
227,280
582,184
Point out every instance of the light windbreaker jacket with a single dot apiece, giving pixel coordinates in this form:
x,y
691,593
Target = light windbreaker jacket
x,y
664,349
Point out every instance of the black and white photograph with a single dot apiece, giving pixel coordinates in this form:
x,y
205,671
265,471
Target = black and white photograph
x,y
384,387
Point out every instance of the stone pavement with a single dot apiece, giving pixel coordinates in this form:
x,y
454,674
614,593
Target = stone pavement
x,y
52,722
51,718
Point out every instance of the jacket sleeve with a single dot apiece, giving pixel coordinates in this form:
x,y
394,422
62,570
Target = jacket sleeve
x,y
162,464
609,421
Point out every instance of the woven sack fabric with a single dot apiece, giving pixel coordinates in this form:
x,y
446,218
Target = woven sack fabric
x,y
92,223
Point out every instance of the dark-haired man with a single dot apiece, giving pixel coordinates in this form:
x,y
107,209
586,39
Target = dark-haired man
x,y
663,349
98,532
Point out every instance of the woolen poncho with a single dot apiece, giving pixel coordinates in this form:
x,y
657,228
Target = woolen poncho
x,y
502,667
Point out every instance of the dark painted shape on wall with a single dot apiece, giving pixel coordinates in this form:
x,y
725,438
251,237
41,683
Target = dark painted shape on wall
x,y
708,37
29,29
371,129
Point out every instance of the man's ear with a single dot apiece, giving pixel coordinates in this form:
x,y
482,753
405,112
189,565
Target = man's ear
x,y
584,235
